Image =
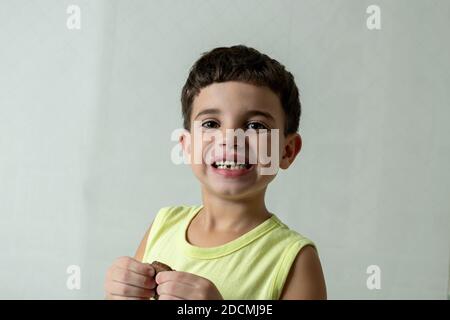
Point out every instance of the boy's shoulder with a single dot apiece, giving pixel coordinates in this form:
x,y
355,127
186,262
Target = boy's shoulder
x,y
178,209
175,212
284,232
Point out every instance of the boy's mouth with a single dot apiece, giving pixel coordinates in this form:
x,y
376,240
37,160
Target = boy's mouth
x,y
231,169
231,165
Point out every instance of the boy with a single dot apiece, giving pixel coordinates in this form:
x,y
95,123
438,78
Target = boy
x,y
231,246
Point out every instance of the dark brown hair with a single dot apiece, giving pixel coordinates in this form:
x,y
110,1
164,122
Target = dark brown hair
x,y
245,64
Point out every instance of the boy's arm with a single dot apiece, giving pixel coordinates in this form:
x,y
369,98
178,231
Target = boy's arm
x,y
305,280
139,255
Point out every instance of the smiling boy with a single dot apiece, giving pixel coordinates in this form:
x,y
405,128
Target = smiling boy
x,y
231,246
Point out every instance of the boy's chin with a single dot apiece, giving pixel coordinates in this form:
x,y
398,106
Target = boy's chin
x,y
230,191
231,194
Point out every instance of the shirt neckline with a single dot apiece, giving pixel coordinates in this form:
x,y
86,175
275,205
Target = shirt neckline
x,y
227,248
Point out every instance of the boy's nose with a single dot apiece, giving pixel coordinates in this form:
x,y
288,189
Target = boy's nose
x,y
229,137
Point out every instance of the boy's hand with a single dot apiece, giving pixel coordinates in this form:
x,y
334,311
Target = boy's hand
x,y
130,279
177,285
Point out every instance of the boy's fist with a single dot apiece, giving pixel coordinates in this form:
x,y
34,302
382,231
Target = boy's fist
x,y
177,285
159,267
130,279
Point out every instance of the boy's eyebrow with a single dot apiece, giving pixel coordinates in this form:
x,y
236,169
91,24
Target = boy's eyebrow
x,y
207,111
249,113
260,113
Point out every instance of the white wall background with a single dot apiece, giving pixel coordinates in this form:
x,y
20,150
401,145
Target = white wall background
x,y
86,117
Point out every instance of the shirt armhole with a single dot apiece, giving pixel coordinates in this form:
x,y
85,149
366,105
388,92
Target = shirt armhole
x,y
159,220
285,264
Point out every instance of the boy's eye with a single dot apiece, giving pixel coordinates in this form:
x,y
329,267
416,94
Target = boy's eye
x,y
210,124
256,126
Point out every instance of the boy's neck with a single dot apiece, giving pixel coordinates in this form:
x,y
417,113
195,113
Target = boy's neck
x,y
226,215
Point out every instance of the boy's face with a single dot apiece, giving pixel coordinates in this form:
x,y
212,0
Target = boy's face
x,y
229,166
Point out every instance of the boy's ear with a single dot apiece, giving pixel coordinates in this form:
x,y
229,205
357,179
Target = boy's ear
x,y
185,141
292,146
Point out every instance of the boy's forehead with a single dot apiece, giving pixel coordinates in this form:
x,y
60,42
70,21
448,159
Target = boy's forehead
x,y
237,97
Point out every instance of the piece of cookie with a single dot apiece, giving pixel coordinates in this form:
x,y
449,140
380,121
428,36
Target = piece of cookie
x,y
159,266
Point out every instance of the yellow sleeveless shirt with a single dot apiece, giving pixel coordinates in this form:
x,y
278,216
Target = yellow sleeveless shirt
x,y
252,267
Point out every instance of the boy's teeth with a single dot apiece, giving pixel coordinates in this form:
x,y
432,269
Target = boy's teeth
x,y
231,165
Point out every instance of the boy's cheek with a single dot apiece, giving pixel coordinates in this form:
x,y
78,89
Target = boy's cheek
x,y
196,156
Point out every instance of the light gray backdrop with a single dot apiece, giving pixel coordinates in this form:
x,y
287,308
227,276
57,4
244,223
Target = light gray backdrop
x,y
86,117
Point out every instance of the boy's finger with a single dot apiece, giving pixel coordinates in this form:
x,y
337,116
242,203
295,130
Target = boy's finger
x,y
125,290
117,297
178,276
133,278
176,289
168,297
136,266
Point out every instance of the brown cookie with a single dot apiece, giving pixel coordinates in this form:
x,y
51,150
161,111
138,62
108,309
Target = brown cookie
x,y
159,266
